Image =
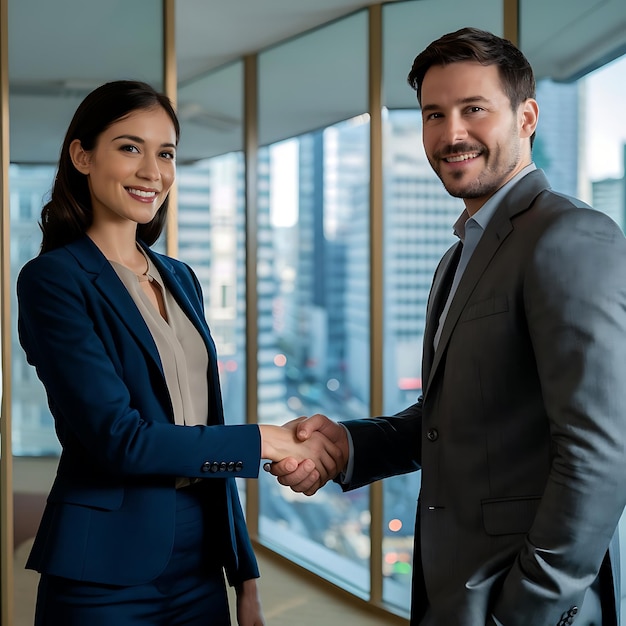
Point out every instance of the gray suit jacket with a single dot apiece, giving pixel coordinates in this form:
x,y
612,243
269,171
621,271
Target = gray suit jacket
x,y
521,428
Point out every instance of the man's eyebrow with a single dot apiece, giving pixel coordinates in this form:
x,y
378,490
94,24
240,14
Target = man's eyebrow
x,y
468,100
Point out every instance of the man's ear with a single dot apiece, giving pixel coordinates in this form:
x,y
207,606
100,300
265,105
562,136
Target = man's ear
x,y
80,158
529,116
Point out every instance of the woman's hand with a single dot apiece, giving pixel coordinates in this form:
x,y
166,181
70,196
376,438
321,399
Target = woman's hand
x,y
249,611
306,452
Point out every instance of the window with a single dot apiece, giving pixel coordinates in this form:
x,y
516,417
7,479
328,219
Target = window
x,y
418,219
56,87
211,239
313,279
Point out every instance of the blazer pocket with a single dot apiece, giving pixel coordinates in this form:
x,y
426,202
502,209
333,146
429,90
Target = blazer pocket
x,y
483,308
105,499
509,516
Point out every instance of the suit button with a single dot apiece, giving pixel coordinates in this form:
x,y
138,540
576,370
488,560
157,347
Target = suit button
x,y
215,466
432,434
206,466
231,466
223,466
238,466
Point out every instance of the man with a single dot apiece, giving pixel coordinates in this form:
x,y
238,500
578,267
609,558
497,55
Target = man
x,y
520,431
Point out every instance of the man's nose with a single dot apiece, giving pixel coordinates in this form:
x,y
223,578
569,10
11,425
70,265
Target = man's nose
x,y
455,129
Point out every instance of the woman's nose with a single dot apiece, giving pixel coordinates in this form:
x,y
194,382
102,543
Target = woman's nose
x,y
149,168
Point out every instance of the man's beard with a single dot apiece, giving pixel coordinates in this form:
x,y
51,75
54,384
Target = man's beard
x,y
491,177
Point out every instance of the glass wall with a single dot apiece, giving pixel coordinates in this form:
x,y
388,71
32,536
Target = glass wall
x,y
581,135
604,174
50,71
313,278
313,226
47,82
211,216
33,428
418,220
580,144
604,150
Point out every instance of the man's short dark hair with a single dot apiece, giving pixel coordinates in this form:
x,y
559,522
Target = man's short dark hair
x,y
472,44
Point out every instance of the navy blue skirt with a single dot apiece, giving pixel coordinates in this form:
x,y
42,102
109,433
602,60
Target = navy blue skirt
x,y
189,592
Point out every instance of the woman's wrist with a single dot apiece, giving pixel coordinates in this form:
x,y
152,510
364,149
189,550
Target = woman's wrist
x,y
269,437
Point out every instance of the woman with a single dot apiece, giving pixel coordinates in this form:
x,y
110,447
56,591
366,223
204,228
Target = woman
x,y
144,516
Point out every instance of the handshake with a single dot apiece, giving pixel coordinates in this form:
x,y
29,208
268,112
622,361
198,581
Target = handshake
x,y
305,453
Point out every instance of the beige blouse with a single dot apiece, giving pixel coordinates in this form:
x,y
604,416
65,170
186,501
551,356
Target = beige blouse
x,y
182,351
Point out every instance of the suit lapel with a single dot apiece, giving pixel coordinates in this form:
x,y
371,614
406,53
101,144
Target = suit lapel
x,y
176,288
517,200
106,281
442,282
482,256
189,301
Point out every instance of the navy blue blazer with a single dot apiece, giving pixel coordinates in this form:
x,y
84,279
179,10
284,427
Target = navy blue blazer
x,y
110,515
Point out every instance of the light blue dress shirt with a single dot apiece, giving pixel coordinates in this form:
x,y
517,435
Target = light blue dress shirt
x,y
469,230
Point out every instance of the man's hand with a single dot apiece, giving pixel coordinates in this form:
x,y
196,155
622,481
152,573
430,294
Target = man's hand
x,y
307,476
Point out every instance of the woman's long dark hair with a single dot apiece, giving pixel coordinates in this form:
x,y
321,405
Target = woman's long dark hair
x,y
69,213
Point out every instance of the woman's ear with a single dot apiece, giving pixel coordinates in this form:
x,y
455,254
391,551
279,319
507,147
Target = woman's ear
x,y
80,158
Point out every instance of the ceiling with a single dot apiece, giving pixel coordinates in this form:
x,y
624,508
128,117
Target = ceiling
x,y
305,82
211,33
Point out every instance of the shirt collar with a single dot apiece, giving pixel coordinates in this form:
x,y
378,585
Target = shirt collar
x,y
486,211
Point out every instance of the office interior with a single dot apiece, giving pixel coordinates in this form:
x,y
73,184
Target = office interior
x,y
306,206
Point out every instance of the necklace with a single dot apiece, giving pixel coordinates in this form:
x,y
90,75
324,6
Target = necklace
x,y
142,278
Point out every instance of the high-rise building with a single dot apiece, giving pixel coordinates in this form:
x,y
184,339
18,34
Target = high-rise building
x,y
609,195
556,149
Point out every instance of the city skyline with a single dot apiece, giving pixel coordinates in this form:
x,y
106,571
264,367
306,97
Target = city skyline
x,y
605,136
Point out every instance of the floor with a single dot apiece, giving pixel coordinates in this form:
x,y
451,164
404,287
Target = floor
x,y
290,597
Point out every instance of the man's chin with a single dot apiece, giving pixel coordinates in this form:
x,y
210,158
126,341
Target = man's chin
x,y
460,191
468,191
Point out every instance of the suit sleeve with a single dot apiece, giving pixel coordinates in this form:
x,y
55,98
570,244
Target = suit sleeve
x,y
575,301
385,446
246,566
96,377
